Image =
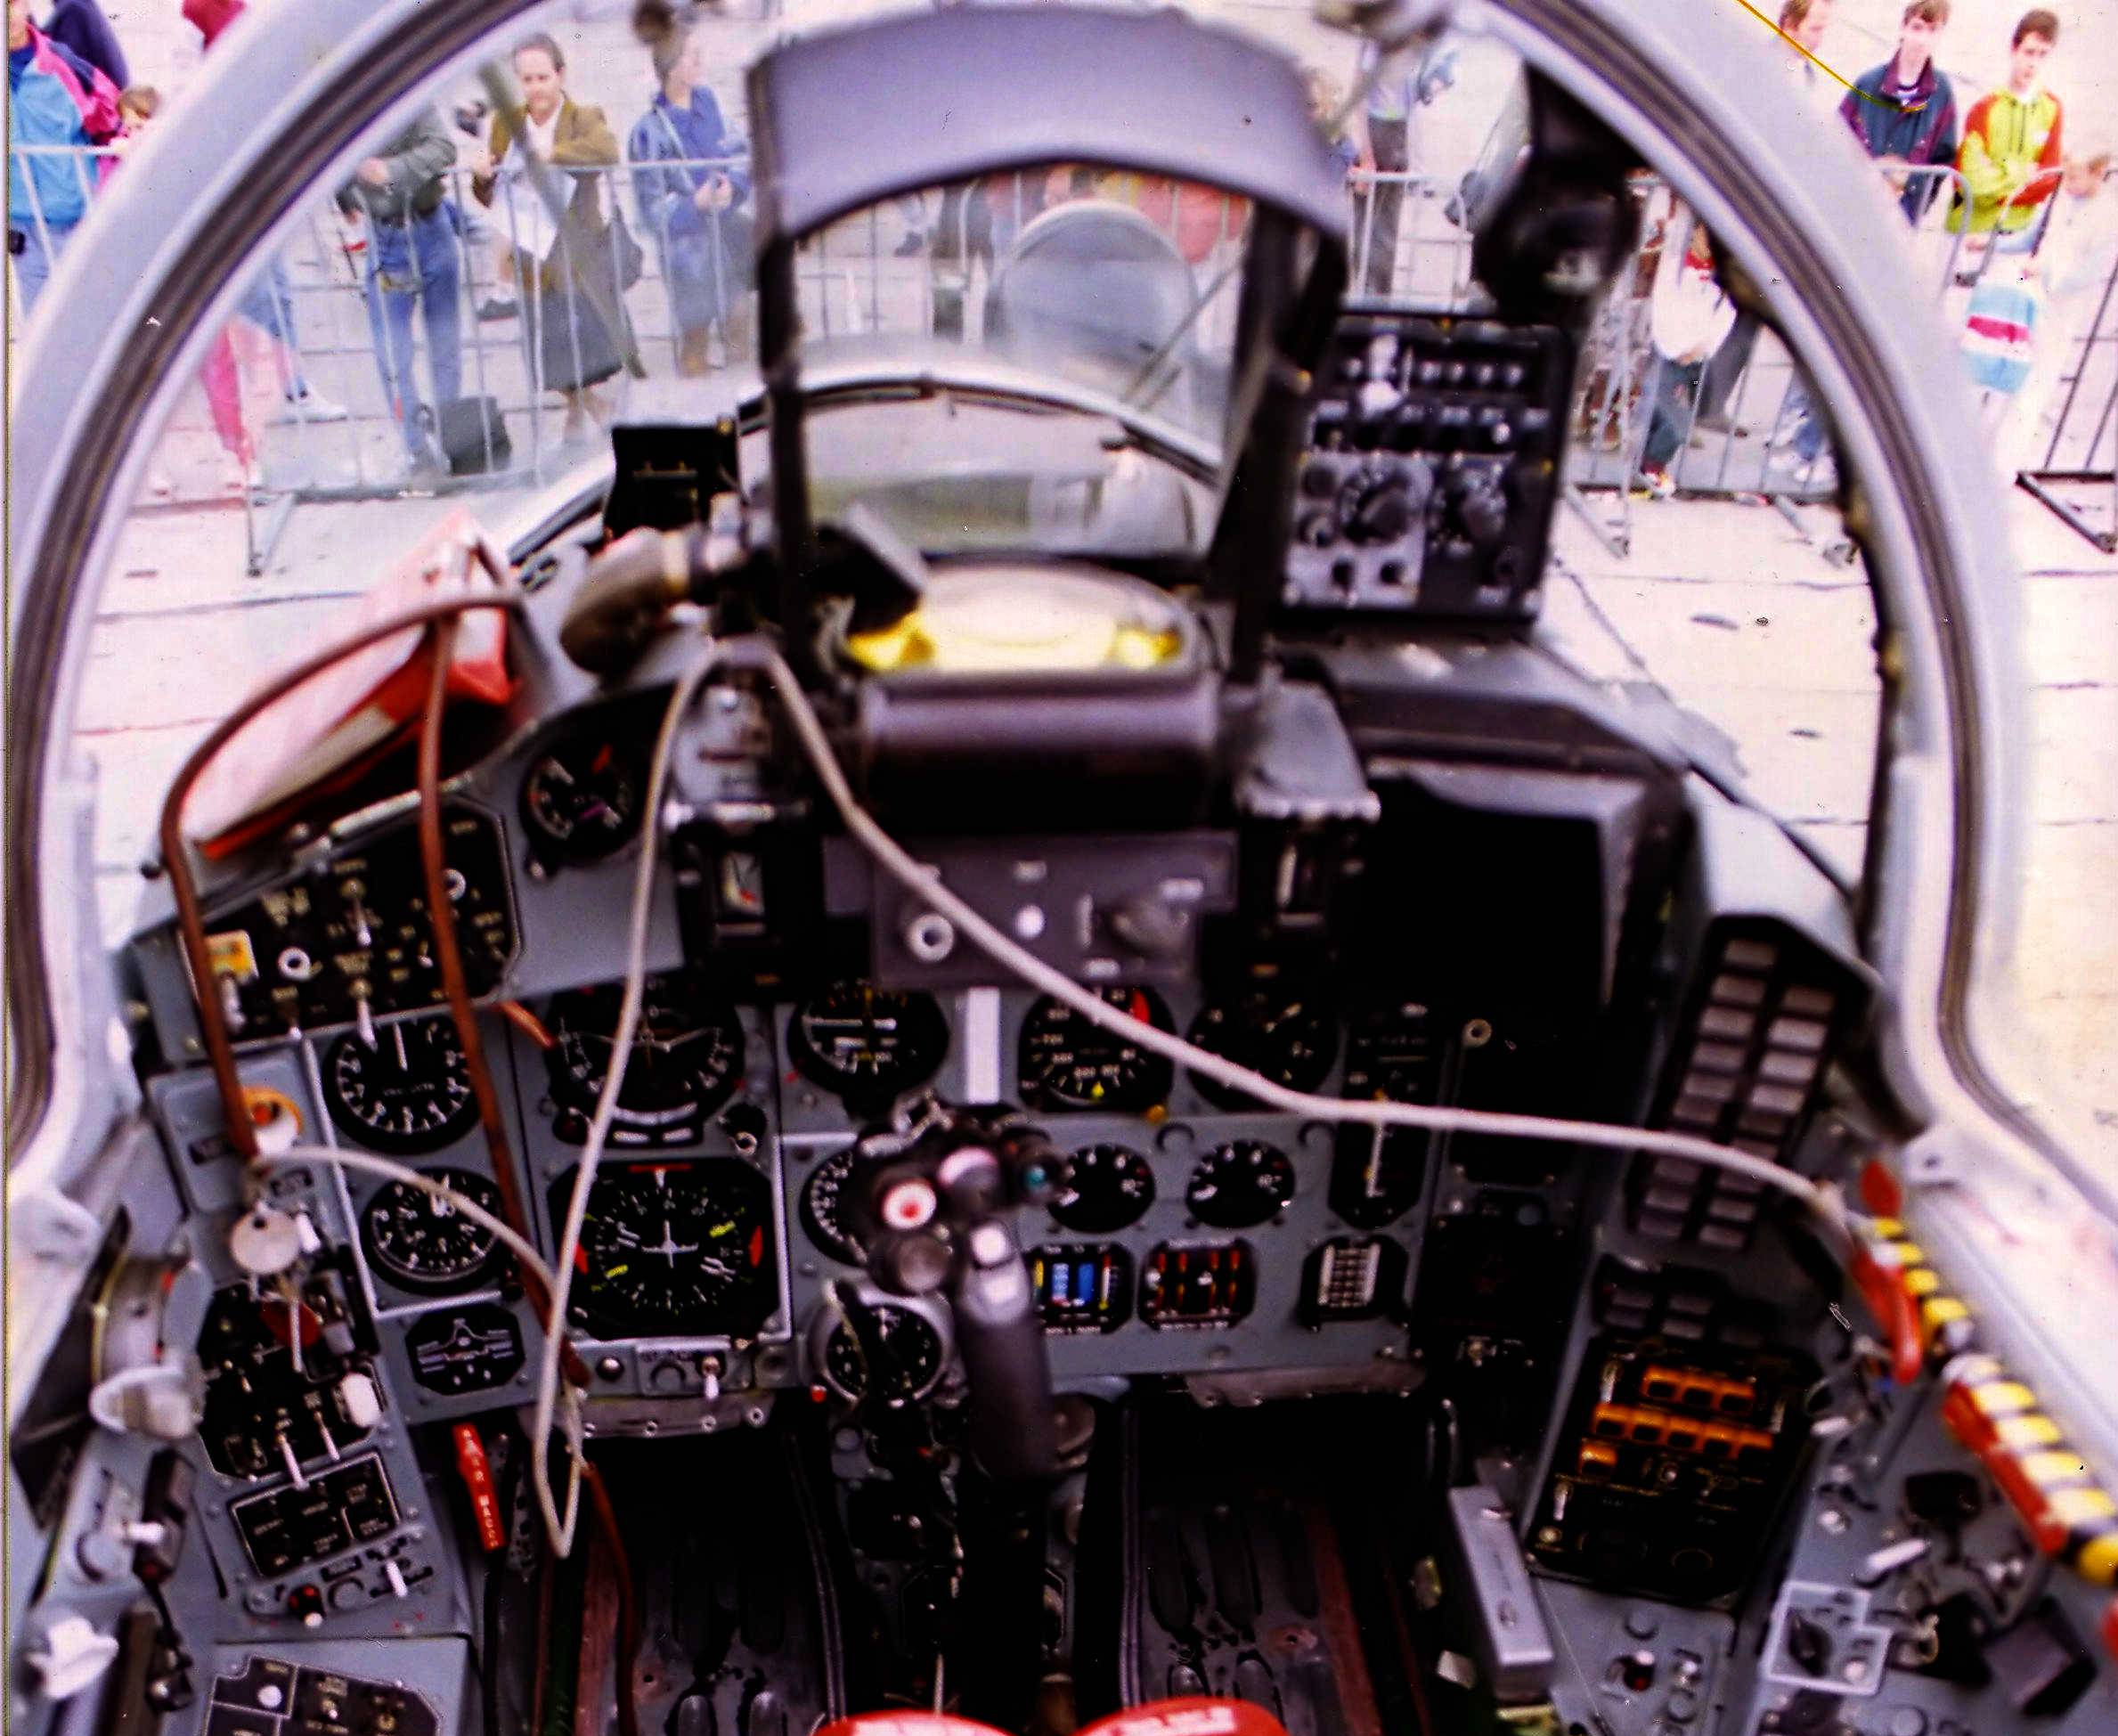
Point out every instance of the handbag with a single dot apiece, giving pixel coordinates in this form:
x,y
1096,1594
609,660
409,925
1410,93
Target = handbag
x,y
473,436
1999,337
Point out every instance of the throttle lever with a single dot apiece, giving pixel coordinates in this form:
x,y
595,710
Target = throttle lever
x,y
999,1334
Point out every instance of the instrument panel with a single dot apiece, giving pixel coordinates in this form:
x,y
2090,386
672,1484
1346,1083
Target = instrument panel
x,y
1190,1231
348,942
1193,1237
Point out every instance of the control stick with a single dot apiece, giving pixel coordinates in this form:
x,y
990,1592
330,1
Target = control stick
x,y
940,1211
1000,1335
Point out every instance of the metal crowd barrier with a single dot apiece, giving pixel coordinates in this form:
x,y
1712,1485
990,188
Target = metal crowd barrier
x,y
312,309
328,331
1751,447
1425,262
2080,457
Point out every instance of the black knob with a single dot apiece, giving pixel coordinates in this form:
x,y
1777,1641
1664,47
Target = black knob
x,y
915,1264
1384,516
1318,530
1319,482
1393,501
1481,510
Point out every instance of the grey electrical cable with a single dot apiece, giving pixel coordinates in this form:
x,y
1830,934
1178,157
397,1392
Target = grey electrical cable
x,y
558,1527
369,1164
901,866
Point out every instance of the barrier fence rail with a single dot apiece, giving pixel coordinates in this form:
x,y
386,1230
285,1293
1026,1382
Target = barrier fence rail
x,y
1739,426
2080,460
540,320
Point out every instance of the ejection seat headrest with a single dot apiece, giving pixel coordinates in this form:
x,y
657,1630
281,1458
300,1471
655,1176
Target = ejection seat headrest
x,y
1095,288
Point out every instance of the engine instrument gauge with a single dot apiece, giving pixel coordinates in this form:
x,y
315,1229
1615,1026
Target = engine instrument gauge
x,y
1377,1173
1394,1052
581,799
1286,1035
912,1356
1107,1188
1068,1062
422,1244
868,1044
687,1061
1242,1183
823,1209
408,1095
673,1248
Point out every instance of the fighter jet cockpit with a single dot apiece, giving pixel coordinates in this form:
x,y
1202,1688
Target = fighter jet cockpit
x,y
1011,1009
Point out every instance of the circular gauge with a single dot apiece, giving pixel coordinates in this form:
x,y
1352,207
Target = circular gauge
x,y
687,1060
423,1243
673,1248
1394,1053
1289,1036
1070,1063
1107,1187
581,799
408,1093
868,1044
823,1209
1242,1183
912,1354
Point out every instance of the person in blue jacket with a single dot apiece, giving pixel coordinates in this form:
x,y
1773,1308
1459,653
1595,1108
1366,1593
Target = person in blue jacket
x,y
1903,111
58,107
692,178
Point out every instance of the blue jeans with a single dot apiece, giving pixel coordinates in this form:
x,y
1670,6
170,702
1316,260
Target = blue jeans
x,y
1676,390
415,264
41,246
1808,427
268,304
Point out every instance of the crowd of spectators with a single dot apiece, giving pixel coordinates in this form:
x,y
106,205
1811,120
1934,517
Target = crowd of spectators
x,y
2021,200
525,225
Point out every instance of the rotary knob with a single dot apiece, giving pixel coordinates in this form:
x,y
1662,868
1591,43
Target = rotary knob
x,y
1479,508
1391,502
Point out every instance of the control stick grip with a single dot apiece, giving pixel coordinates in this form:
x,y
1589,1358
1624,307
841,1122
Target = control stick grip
x,y
999,1335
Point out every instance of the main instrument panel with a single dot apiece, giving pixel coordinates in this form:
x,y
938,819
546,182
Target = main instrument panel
x,y
721,1211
